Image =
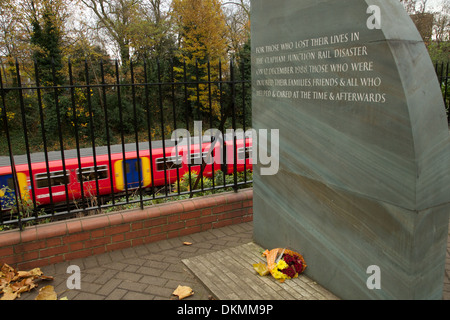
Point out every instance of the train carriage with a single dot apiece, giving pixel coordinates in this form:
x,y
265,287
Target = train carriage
x,y
115,174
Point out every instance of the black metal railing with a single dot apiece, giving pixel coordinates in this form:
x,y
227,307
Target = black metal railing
x,y
76,122
442,72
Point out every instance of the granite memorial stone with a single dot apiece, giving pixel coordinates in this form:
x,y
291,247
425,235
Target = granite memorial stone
x,y
362,189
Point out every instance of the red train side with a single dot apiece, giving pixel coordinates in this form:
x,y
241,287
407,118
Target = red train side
x,y
56,187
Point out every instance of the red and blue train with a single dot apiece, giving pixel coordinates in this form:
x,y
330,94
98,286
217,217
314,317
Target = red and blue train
x,y
157,168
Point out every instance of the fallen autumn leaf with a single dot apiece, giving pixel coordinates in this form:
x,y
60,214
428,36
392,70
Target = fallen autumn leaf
x,y
183,292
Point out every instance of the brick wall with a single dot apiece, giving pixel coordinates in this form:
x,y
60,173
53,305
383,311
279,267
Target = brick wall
x,y
78,238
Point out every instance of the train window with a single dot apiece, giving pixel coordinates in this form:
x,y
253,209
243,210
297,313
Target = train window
x,y
171,163
9,184
195,158
89,174
248,153
56,179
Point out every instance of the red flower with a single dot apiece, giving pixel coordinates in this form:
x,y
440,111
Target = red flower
x,y
294,262
290,272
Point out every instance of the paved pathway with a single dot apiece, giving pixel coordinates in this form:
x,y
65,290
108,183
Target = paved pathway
x,y
147,272
153,271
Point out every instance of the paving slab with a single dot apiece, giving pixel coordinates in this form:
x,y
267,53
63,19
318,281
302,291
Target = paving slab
x,y
229,275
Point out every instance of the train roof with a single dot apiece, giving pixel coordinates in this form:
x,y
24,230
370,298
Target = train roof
x,y
86,153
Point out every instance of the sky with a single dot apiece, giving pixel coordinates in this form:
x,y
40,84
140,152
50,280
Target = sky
x,y
436,4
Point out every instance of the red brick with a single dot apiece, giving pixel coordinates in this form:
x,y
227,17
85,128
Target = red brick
x,y
119,245
8,251
155,222
188,231
206,202
237,220
98,222
206,219
233,206
117,229
137,242
239,196
53,251
97,233
172,234
222,223
132,216
29,246
137,226
51,230
74,226
218,209
188,205
8,238
154,238
96,242
32,264
99,250
234,214
28,235
76,237
115,219
207,212
171,208
76,246
153,211
206,226
190,215
173,226
137,234
220,200
30,255
173,218
191,223
117,238
11,260
77,254
156,230
56,259
53,242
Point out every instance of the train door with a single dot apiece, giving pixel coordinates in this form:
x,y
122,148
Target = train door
x,y
7,191
131,170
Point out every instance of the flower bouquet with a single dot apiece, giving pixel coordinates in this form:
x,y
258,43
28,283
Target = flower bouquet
x,y
282,264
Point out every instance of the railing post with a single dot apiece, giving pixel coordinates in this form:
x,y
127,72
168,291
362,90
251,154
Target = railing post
x,y
25,132
10,152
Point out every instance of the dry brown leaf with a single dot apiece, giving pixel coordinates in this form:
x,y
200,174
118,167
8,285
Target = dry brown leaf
x,y
13,282
47,293
36,272
8,272
22,274
9,294
186,243
183,292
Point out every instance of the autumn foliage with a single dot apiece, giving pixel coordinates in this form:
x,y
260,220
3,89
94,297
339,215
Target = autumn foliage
x,y
13,282
202,29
